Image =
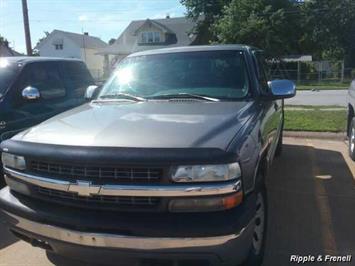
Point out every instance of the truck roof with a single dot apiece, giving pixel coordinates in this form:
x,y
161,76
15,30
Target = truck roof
x,y
195,48
30,59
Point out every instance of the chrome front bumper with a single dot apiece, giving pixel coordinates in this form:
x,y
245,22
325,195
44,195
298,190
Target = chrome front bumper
x,y
105,240
85,188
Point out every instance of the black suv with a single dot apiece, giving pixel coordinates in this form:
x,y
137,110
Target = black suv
x,y
32,89
168,161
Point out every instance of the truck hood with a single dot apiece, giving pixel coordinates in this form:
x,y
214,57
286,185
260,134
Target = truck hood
x,y
152,124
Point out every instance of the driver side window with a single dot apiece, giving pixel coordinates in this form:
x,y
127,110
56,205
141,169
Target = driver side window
x,y
263,71
46,78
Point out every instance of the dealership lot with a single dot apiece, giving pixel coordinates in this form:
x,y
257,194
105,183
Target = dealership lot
x,y
311,204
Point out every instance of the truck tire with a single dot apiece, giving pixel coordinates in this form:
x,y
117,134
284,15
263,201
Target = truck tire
x,y
352,140
257,249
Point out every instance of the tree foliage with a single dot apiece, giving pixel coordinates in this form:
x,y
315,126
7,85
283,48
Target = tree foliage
x,y
260,23
331,28
323,28
3,40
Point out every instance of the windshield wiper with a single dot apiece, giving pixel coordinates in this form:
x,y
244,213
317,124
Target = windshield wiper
x,y
122,95
185,95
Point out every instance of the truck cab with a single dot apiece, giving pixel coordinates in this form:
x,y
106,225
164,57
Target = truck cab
x,y
33,89
167,162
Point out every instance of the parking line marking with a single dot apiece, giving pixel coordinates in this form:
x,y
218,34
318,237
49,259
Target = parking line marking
x,y
326,224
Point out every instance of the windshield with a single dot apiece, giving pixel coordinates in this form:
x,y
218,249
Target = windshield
x,y
217,74
7,75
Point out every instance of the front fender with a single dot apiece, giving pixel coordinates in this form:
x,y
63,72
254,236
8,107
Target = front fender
x,y
251,148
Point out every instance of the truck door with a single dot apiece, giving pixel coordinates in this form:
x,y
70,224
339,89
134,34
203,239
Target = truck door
x,y
272,123
46,78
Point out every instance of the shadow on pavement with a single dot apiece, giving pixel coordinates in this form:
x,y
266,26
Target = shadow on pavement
x,y
311,205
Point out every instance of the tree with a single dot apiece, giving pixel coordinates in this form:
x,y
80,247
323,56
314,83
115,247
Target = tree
x,y
4,41
262,23
204,13
111,41
331,28
323,28
271,25
35,51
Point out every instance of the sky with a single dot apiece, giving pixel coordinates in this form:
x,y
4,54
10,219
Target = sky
x,y
105,19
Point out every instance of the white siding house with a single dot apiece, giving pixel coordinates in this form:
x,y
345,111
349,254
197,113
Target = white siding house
x,y
148,34
72,45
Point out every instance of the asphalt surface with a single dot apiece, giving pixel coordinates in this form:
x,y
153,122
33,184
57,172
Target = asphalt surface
x,y
311,192
322,97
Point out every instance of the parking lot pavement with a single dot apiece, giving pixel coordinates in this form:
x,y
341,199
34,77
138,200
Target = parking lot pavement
x,y
311,202
311,192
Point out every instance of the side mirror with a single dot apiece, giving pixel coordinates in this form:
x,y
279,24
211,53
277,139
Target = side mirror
x,y
31,93
282,88
90,92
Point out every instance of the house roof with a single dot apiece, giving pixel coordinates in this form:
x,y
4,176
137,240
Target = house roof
x,y
127,41
82,40
5,50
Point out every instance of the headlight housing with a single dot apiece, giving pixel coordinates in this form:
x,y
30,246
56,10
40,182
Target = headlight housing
x,y
207,173
13,161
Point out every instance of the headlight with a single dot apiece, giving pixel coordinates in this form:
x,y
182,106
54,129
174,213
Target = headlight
x,y
13,161
207,173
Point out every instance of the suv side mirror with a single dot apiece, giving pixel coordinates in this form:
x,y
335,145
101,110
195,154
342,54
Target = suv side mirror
x,y
31,93
91,91
282,88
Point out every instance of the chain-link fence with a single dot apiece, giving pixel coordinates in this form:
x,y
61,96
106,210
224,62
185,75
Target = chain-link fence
x,y
315,72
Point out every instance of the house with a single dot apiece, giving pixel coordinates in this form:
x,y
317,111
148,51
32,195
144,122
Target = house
x,y
73,45
5,50
150,34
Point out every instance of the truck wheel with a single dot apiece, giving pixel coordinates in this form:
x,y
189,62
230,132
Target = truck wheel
x,y
256,252
279,146
352,140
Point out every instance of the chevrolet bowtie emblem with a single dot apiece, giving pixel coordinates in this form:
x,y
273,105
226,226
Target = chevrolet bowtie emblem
x,y
84,188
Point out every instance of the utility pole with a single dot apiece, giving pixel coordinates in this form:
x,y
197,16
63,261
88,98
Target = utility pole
x,y
27,27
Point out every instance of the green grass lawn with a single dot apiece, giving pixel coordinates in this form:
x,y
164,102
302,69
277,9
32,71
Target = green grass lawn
x,y
315,120
313,107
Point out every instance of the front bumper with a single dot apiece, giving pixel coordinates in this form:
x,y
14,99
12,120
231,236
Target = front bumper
x,y
222,241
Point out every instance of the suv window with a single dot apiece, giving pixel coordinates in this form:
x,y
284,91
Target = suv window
x,y
79,77
46,78
263,70
8,73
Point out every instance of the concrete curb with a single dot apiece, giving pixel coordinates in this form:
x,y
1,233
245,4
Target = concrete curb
x,y
315,135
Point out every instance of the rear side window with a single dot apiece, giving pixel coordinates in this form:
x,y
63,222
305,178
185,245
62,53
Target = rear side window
x,y
46,78
78,76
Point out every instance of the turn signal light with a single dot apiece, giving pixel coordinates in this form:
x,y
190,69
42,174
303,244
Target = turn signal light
x,y
209,204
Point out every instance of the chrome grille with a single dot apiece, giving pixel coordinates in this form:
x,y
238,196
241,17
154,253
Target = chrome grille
x,y
99,174
95,200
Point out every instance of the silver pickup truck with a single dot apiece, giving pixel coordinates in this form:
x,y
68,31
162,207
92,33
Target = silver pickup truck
x,y
351,120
